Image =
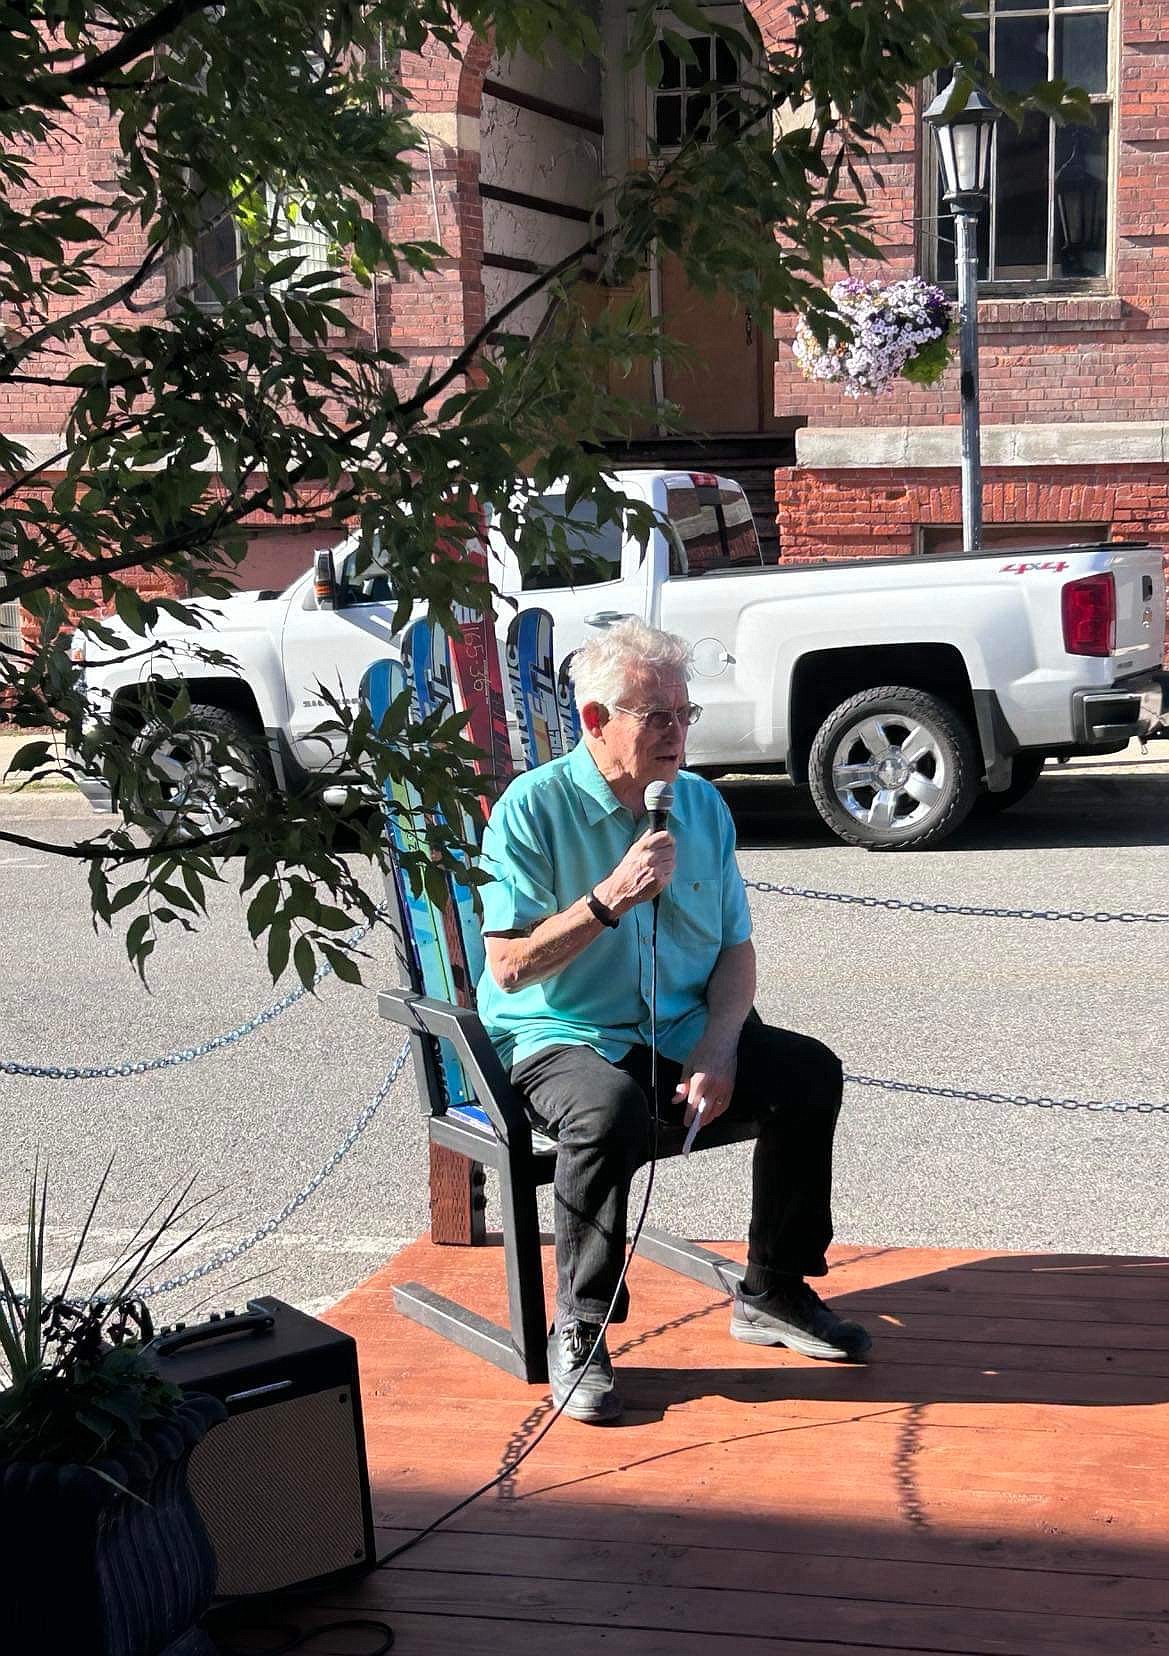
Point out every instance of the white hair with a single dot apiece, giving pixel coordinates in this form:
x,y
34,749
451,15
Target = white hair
x,y
602,668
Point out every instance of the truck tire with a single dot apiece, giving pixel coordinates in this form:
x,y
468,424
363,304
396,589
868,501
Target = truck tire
x,y
1026,769
180,755
893,769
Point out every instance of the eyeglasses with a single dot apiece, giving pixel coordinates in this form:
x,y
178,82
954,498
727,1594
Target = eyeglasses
x,y
664,718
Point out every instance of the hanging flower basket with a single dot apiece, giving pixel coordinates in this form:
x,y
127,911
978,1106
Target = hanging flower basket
x,y
896,330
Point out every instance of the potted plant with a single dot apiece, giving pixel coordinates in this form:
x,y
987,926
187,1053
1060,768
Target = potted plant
x,y
105,1553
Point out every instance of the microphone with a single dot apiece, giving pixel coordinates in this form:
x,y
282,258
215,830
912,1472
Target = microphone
x,y
659,802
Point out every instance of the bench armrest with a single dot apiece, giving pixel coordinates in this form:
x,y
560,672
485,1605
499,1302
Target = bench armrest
x,y
422,1015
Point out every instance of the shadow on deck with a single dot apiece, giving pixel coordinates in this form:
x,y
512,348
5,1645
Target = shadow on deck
x,y
993,1481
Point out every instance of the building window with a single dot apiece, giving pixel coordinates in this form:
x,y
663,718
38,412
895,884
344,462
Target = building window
x,y
10,633
1048,219
215,256
216,253
693,98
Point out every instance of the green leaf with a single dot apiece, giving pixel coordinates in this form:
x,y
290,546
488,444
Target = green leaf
x,y
304,961
279,943
262,909
342,963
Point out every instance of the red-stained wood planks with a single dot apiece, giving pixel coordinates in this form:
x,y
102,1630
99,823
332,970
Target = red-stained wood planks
x,y
993,1481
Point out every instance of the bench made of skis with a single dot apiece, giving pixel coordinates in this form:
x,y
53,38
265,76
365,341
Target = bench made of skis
x,y
472,1109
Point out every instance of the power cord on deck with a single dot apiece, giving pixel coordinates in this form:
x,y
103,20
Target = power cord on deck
x,y
297,1637
509,1469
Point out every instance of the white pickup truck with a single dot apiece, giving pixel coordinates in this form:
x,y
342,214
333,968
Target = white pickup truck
x,y
899,690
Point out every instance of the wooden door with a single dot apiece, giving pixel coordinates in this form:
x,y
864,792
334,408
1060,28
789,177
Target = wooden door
x,y
720,389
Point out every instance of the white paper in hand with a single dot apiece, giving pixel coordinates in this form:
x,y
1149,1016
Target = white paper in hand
x,y
694,1126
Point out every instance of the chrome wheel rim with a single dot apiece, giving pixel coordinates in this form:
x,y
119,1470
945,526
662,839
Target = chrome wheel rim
x,y
185,780
889,772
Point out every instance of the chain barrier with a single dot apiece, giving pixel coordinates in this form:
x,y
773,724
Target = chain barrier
x,y
1116,1105
916,906
185,1055
228,1256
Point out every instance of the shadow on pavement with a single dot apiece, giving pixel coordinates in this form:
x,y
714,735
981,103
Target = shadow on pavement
x,y
1065,809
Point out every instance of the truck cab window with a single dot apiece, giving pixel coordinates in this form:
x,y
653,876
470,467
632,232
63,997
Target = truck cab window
x,y
712,526
594,550
371,586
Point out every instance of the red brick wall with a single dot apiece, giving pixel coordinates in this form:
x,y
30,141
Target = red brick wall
x,y
858,514
427,320
430,318
1083,358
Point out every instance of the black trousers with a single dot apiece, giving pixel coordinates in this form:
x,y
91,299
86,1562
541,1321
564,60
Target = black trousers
x,y
599,1114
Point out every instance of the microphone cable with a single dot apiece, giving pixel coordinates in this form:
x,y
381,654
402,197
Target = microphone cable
x,y
405,1546
223,1619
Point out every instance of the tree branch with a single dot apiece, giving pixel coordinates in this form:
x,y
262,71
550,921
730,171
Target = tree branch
x,y
57,330
133,45
470,350
92,850
80,569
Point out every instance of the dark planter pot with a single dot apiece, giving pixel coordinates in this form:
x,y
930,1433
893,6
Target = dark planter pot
x,y
88,1569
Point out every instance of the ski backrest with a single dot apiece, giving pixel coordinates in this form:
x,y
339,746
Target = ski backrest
x,y
441,955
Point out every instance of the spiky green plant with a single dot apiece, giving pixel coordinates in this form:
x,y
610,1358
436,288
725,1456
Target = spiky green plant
x,y
81,1387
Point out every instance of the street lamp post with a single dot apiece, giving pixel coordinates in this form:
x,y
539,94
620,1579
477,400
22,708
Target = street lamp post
x,y
963,136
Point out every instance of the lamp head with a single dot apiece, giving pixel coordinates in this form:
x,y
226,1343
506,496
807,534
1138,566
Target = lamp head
x,y
963,133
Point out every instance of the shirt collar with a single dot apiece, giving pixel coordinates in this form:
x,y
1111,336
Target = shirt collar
x,y
599,799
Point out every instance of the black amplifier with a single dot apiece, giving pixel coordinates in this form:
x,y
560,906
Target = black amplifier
x,y
282,1484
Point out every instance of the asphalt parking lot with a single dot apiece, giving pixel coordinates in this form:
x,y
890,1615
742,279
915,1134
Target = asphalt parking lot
x,y
1058,1008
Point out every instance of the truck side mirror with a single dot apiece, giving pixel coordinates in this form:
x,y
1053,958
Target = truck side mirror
x,y
324,580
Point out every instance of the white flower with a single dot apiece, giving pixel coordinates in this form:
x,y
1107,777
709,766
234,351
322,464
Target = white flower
x,y
888,325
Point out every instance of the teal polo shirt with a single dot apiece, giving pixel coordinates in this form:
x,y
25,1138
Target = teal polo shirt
x,y
557,832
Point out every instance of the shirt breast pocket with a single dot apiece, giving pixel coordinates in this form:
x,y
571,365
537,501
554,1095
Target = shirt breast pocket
x,y
697,906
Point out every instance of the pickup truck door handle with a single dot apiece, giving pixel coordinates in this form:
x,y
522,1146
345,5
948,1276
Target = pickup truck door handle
x,y
606,618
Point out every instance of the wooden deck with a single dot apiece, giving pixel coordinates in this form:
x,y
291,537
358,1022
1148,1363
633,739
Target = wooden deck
x,y
995,1480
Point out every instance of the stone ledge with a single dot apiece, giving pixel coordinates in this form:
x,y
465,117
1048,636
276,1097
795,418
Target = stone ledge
x,y
1095,443
997,313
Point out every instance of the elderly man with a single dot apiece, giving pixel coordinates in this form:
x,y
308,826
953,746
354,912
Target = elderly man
x,y
567,921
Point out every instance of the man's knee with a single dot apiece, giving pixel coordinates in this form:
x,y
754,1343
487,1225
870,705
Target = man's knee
x,y
615,1118
825,1072
789,1069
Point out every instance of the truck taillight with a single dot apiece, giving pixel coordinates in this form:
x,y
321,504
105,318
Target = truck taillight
x,y
704,480
1089,616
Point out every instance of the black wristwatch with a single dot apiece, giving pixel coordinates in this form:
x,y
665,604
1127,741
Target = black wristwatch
x,y
600,912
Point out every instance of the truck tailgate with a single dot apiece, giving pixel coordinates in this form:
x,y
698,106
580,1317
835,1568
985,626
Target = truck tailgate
x,y
1140,606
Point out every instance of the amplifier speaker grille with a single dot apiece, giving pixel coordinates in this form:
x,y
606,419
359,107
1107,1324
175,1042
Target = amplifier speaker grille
x,y
280,1491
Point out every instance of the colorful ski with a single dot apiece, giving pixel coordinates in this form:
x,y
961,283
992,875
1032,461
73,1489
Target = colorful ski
x,y
421,950
533,682
569,717
475,658
426,651
381,685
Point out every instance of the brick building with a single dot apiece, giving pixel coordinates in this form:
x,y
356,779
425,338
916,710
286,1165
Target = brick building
x,y
1075,326
1075,347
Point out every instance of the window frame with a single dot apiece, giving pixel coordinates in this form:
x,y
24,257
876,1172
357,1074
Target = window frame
x,y
738,87
189,277
11,629
934,214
